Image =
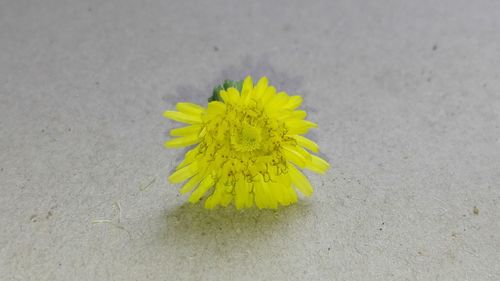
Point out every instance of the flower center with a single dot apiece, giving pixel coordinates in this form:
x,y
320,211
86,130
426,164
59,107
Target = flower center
x,y
247,139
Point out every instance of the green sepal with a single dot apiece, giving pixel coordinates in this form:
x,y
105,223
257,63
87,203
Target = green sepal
x,y
225,86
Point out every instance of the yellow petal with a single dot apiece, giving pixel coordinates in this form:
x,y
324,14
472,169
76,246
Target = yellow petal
x,y
215,108
271,201
210,203
204,186
183,117
269,93
215,199
277,102
298,114
261,86
317,165
231,95
184,173
249,202
297,127
224,95
296,155
241,194
300,181
277,191
185,131
191,184
226,199
245,96
260,196
183,141
247,84
189,157
293,102
291,194
264,198
307,143
189,108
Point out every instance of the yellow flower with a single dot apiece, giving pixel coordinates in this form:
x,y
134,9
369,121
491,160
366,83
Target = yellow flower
x,y
248,148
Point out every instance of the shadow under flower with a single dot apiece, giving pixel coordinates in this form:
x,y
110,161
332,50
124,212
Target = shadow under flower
x,y
223,228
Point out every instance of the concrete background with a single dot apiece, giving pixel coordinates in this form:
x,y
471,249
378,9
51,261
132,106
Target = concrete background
x,y
406,94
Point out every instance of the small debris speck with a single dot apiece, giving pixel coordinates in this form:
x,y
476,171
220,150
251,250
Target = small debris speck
x,y
434,47
216,49
475,210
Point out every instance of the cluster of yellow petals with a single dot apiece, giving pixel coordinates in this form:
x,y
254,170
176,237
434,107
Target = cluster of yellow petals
x,y
248,148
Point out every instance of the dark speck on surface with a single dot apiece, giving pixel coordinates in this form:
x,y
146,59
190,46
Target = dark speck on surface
x,y
216,49
434,47
475,210
33,218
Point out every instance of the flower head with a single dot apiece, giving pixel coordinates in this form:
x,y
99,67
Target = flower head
x,y
248,148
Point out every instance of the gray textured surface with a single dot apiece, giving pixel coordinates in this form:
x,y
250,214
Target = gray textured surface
x,y
407,96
